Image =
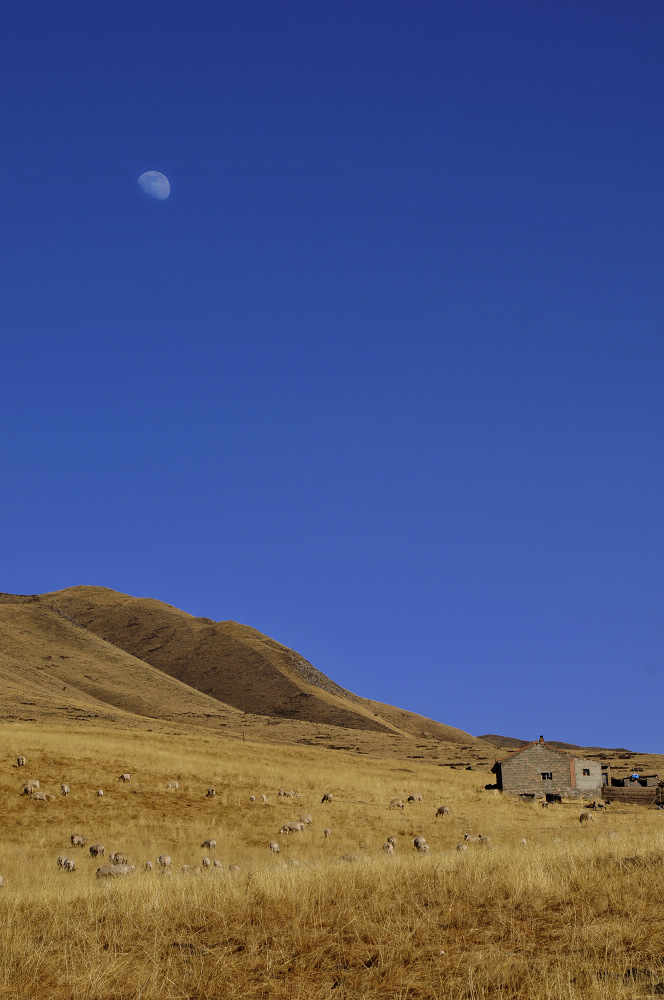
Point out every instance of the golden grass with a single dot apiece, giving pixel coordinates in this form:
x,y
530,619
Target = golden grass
x,y
574,913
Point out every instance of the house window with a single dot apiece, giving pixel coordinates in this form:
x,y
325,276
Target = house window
x,y
546,776
586,772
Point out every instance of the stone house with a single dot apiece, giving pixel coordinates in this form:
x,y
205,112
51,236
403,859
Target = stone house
x,y
538,770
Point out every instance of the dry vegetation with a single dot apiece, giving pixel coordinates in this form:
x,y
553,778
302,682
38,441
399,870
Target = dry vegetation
x,y
575,912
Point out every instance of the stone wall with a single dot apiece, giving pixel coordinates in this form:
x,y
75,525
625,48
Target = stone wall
x,y
524,770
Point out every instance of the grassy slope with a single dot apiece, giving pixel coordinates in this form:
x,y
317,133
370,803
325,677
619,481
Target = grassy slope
x,y
572,913
235,663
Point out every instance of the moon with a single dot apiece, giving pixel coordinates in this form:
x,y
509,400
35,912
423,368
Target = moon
x,y
155,184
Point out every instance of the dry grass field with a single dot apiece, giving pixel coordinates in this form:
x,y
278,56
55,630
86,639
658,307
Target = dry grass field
x,y
573,913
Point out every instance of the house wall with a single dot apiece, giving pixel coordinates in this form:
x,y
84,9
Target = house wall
x,y
522,772
588,783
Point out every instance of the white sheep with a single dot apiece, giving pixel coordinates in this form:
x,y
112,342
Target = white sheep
x,y
124,777
97,850
252,798
21,761
462,847
586,817
64,789
172,786
164,860
118,858
388,848
148,866
287,793
77,840
40,797
30,787
263,797
100,793
442,811
211,792
205,862
274,847
306,819
292,828
418,842
210,844
396,804
327,797
69,865
326,831
217,863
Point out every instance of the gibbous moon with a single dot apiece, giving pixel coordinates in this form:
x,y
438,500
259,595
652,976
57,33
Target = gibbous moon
x,y
155,184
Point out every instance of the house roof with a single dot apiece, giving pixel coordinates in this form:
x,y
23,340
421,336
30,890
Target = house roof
x,y
535,743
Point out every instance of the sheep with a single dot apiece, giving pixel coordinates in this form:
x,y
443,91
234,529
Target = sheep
x,y
235,868
392,841
61,860
327,797
523,841
21,761
124,777
97,850
586,817
40,797
396,804
100,793
252,798
77,840
205,862
423,849
471,838
210,844
112,871
274,847
306,819
172,786
484,840
292,828
287,793
217,863
388,848
442,811
263,797
326,831
118,858
418,842
69,865
462,847
148,866
191,869
544,804
414,797
64,789
30,787
164,860
211,792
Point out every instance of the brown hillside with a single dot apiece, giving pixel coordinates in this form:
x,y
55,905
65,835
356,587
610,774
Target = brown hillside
x,y
235,664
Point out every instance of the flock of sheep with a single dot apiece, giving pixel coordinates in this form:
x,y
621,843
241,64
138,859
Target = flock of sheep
x,y
119,864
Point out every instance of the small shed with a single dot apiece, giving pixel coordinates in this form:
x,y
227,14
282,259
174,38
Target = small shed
x,y
539,770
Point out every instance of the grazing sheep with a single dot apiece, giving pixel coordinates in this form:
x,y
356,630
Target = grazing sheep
x,y
77,840
118,858
172,786
396,804
205,862
164,860
100,793
544,804
292,828
191,869
112,871
21,761
523,841
148,866
392,841
61,860
442,811
30,787
414,797
462,847
263,797
274,847
471,838
210,844
327,797
40,797
217,863
287,793
124,777
97,850
306,819
423,849
69,865
234,868
64,789
211,792
252,798
326,831
586,817
418,842
388,848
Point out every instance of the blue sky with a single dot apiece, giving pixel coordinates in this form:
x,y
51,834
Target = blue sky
x,y
383,375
